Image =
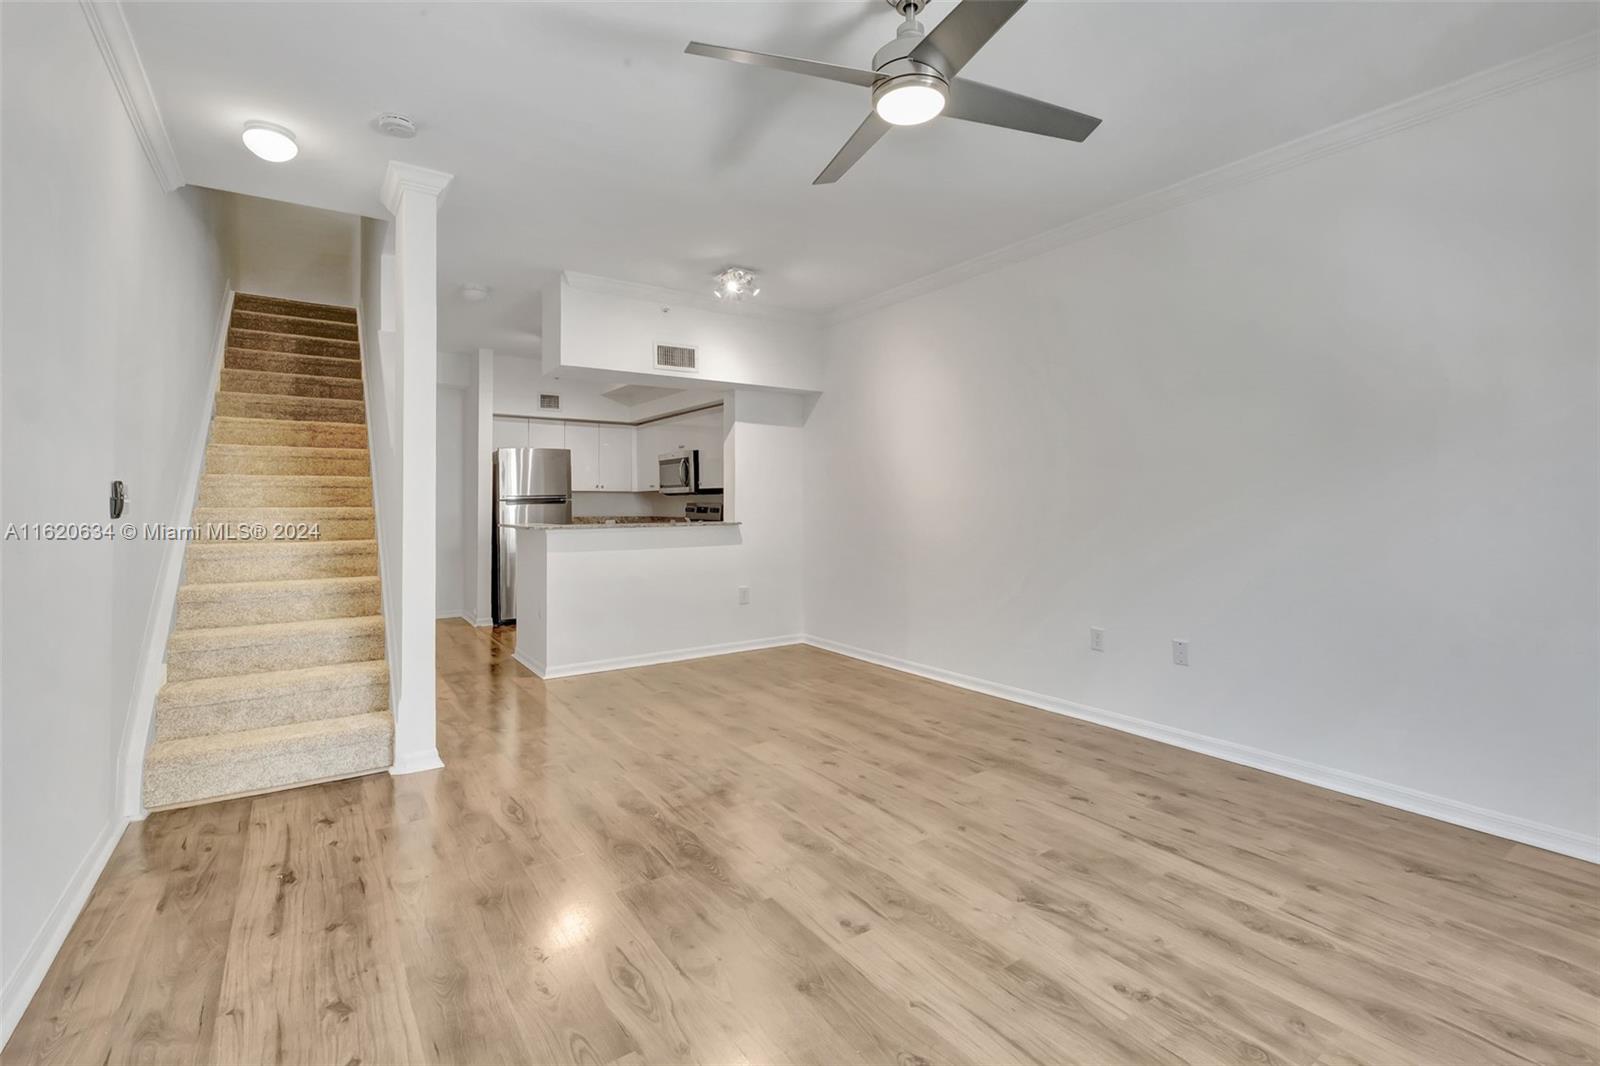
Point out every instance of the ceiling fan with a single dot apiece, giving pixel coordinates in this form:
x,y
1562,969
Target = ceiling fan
x,y
913,80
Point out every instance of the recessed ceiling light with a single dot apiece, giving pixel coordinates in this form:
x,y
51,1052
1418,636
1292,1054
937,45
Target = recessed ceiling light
x,y
272,143
474,294
735,283
396,125
910,99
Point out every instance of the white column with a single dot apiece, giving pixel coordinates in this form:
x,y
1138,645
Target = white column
x,y
412,195
480,466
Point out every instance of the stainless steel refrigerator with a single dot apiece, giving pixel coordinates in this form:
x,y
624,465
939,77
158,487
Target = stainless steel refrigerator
x,y
532,486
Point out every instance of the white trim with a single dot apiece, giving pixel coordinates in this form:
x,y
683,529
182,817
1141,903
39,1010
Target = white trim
x,y
628,662
164,601
704,301
1511,827
109,25
401,178
1435,103
480,623
416,762
25,980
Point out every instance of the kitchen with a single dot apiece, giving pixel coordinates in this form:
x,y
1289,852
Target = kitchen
x,y
621,568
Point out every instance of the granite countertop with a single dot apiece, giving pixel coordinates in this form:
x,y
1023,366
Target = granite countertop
x,y
624,522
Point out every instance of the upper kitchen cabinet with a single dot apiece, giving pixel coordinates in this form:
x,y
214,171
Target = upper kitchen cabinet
x,y
511,433
647,450
602,457
616,458
546,434
583,441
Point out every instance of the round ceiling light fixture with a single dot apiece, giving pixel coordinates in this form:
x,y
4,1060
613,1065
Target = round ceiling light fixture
x,y
474,294
396,125
273,143
910,99
735,283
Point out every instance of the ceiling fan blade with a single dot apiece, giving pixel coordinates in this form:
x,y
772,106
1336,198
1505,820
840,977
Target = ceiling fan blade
x,y
977,102
866,135
953,43
830,71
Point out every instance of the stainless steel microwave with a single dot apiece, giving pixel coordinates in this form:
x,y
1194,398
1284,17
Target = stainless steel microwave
x,y
680,472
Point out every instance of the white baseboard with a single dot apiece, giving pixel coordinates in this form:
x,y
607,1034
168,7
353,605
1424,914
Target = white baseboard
x,y
480,623
416,762
25,980
1496,823
597,666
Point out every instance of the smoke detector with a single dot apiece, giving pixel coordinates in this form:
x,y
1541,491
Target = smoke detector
x,y
395,125
474,294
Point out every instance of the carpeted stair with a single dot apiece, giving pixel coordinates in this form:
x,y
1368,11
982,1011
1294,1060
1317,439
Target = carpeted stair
x,y
276,674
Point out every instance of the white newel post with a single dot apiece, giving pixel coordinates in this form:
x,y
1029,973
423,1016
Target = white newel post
x,y
412,194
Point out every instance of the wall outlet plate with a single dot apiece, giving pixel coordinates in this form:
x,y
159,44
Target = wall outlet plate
x,y
1180,652
1097,638
744,594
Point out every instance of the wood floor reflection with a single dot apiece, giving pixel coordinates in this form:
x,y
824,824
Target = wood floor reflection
x,y
789,856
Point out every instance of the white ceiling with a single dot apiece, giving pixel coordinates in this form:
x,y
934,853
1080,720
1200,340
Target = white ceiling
x,y
582,138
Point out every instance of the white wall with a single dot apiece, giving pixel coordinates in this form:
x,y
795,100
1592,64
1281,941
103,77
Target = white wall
x,y
451,519
113,291
295,252
596,324
1337,427
519,381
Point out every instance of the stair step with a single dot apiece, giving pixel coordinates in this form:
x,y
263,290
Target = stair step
x,y
242,700
289,408
262,663
290,363
273,305
250,603
276,459
284,524
285,490
222,562
292,342
287,432
268,382
298,325
187,770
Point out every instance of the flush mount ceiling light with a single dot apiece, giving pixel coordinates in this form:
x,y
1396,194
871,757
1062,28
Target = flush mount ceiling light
x,y
735,283
474,294
272,143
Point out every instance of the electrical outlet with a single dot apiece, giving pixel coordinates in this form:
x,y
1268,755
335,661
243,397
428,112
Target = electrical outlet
x,y
1180,652
744,594
1097,639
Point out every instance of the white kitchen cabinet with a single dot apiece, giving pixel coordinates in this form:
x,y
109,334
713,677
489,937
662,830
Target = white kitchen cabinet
x,y
616,458
647,450
546,434
510,433
709,441
582,439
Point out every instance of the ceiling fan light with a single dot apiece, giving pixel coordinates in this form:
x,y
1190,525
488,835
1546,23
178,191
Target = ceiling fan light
x,y
272,143
909,100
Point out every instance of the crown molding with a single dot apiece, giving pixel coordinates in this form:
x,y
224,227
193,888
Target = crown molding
x,y
401,178
632,290
109,25
1541,66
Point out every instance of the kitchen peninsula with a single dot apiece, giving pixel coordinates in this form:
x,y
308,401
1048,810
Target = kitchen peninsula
x,y
597,596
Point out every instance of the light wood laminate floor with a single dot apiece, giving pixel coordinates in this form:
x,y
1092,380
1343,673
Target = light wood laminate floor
x,y
789,856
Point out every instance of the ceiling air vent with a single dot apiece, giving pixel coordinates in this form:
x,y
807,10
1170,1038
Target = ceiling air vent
x,y
549,402
675,357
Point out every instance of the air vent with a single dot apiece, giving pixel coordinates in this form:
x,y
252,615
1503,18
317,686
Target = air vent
x,y
549,402
675,357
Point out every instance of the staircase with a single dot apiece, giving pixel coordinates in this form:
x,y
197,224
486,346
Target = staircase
x,y
276,673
